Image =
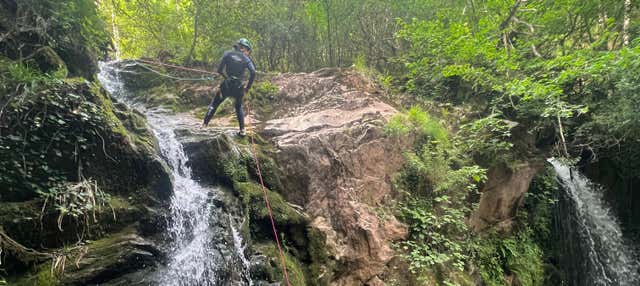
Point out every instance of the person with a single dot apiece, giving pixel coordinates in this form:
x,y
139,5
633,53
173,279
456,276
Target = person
x,y
232,67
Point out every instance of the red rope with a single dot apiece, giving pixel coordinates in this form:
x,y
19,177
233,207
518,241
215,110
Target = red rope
x,y
266,200
176,67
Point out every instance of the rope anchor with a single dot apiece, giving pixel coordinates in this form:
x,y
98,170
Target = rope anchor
x,y
145,64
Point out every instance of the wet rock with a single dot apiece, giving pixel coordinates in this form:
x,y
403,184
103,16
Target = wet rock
x,y
260,269
214,157
337,163
111,257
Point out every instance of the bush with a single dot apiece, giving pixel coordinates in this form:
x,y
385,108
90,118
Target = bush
x,y
486,139
435,209
517,254
417,123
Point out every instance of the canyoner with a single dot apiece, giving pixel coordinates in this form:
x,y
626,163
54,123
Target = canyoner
x,y
232,66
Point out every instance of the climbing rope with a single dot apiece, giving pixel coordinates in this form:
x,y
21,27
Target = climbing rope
x,y
145,64
266,200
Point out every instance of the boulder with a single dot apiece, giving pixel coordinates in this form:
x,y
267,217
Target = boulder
x,y
337,163
112,257
49,61
503,194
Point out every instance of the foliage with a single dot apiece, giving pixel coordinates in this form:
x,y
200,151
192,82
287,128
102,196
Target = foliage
x,y
539,200
288,35
440,183
436,187
518,254
540,63
486,139
419,124
263,98
79,200
49,128
74,30
266,88
438,232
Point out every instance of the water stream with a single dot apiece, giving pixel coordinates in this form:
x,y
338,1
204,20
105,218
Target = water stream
x,y
593,249
203,245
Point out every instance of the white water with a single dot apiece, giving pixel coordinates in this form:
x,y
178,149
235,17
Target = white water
x,y
609,260
197,251
192,262
240,247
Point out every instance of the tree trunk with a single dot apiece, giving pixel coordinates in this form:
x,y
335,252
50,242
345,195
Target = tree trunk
x,y
327,10
562,140
195,34
626,22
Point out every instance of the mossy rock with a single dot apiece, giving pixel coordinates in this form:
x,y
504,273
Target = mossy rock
x,y
34,227
138,77
321,267
268,168
252,197
41,276
295,269
98,261
49,61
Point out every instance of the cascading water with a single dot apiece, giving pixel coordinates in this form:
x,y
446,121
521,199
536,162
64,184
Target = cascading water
x,y
204,247
594,251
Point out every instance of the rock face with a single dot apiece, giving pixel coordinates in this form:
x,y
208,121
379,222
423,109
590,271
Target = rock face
x,y
502,195
337,163
126,166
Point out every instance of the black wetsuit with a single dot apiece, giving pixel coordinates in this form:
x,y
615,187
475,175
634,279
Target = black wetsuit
x,y
233,64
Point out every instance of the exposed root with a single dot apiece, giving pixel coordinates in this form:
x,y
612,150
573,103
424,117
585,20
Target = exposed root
x,y
28,255
80,200
21,252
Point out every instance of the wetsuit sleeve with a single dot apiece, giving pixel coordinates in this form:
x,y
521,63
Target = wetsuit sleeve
x,y
223,63
252,73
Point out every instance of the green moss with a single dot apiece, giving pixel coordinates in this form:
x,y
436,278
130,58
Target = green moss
x,y
268,167
321,268
119,203
294,267
108,112
235,169
269,171
253,200
263,99
22,221
105,243
161,95
41,277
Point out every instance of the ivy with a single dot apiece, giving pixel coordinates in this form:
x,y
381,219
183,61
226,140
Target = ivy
x,y
49,128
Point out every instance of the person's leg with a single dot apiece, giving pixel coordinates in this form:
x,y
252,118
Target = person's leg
x,y
215,102
239,111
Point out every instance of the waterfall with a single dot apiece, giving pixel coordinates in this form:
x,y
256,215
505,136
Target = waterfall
x,y
203,245
593,249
